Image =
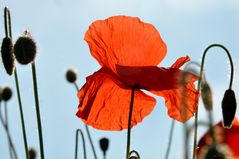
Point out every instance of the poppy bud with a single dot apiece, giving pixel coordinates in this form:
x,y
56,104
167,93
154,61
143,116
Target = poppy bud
x,y
71,75
215,152
104,144
206,94
25,49
6,93
228,108
7,55
32,153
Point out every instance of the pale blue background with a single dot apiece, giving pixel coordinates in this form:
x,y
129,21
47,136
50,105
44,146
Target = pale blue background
x,y
58,26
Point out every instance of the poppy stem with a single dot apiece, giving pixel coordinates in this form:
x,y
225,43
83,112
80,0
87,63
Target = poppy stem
x,y
170,139
83,143
11,145
87,129
37,110
7,130
129,122
8,33
199,86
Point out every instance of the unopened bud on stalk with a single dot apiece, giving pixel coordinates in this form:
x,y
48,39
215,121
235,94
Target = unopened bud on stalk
x,y
6,94
32,153
25,49
228,108
206,94
104,144
71,75
7,55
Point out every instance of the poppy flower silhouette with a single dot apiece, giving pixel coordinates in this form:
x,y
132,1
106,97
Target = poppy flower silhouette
x,y
225,137
129,51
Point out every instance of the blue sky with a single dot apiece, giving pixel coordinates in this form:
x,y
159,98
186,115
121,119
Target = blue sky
x,y
58,27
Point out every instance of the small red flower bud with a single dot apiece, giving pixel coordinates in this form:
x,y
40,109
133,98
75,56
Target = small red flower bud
x,y
32,153
25,49
7,55
6,94
104,144
228,108
71,75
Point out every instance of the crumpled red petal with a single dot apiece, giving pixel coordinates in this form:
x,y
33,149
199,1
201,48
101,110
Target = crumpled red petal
x,y
181,101
104,102
125,41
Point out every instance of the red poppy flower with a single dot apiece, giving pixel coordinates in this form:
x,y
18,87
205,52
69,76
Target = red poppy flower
x,y
129,51
226,137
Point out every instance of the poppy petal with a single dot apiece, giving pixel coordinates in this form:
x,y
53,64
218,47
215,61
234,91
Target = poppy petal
x,y
181,101
151,78
104,102
125,41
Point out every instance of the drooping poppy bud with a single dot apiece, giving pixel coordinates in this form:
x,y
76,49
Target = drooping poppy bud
x,y
6,94
7,55
25,49
71,75
104,144
32,153
206,94
228,108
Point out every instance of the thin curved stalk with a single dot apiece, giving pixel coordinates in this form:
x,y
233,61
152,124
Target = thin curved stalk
x,y
199,86
8,33
170,139
38,111
135,152
129,122
11,145
83,143
87,130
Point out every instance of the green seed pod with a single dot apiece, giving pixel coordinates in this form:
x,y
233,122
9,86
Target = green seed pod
x,y
7,55
206,94
228,108
71,75
6,94
25,49
32,153
104,144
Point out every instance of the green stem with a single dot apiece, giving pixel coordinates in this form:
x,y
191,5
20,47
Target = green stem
x,y
87,129
11,145
37,111
199,86
21,114
170,139
76,143
129,122
7,130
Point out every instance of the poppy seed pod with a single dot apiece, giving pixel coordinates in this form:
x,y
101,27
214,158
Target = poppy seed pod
x,y
32,153
7,55
71,75
206,94
228,108
25,49
104,144
6,94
